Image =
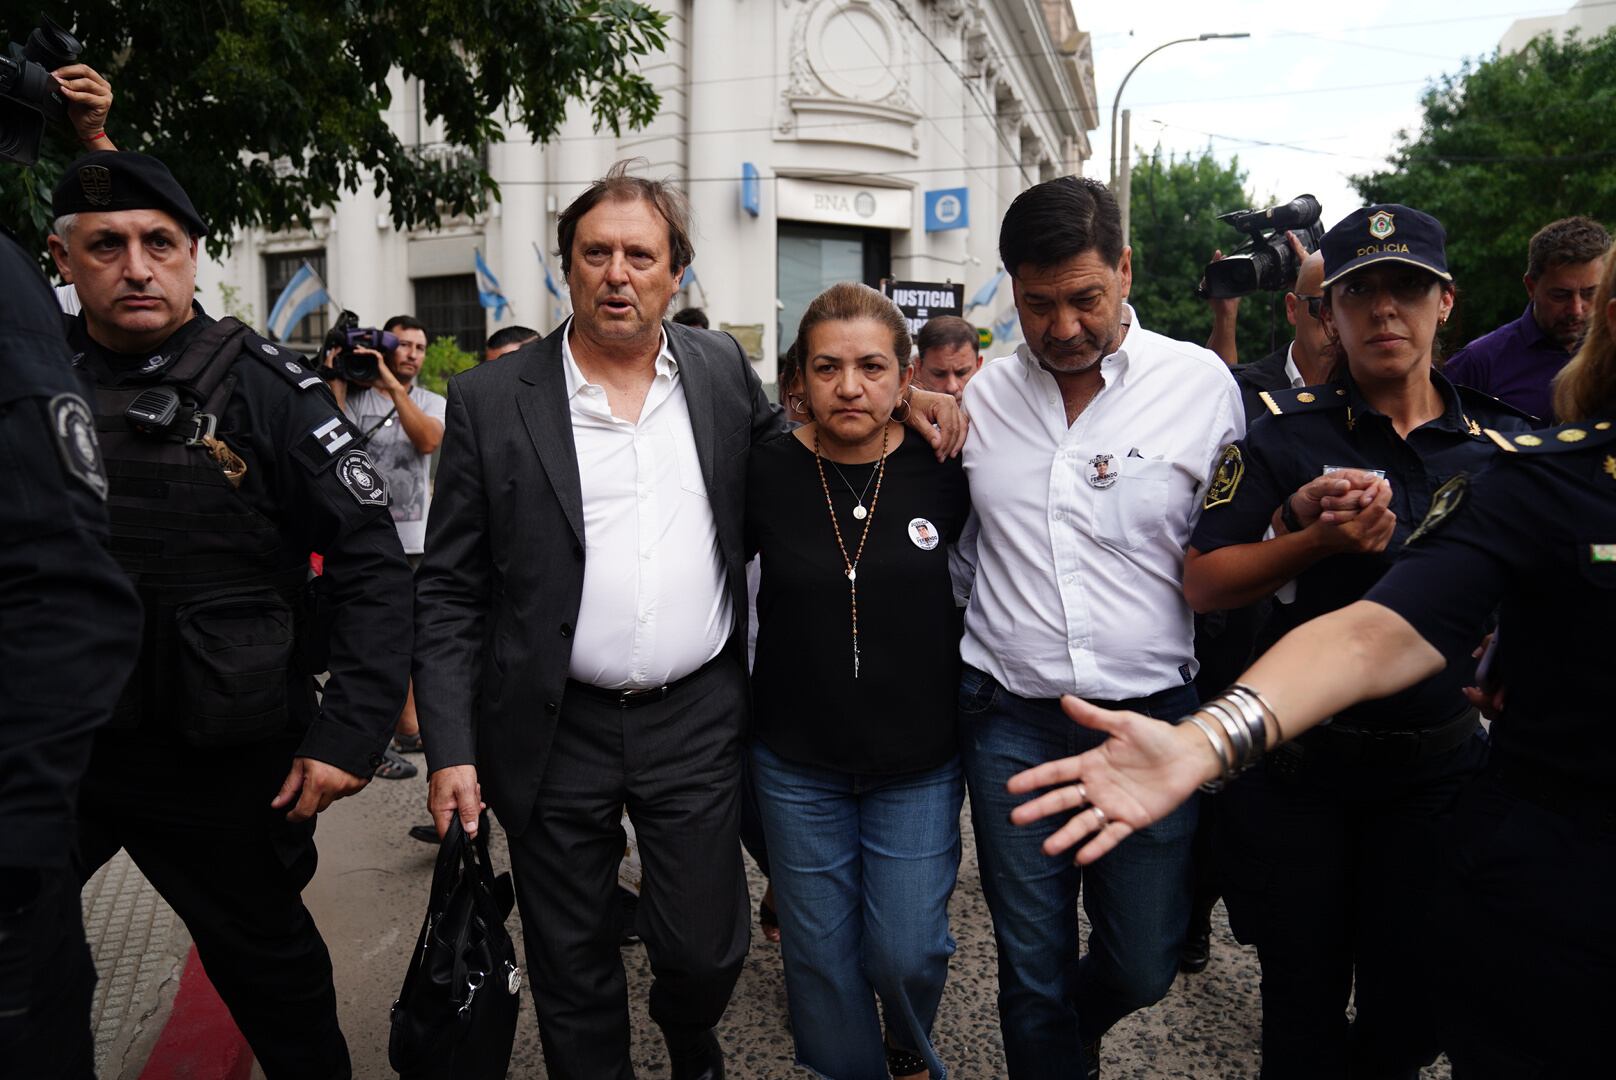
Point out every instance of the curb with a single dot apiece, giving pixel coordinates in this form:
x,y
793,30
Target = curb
x,y
200,1041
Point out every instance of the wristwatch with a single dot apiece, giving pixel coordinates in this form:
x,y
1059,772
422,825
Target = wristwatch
x,y
1288,518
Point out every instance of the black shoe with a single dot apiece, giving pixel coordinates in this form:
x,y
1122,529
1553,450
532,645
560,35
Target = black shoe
x,y
394,767
427,834
1196,952
1091,1060
695,1053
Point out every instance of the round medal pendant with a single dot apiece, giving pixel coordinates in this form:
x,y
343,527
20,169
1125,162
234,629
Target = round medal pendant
x,y
860,513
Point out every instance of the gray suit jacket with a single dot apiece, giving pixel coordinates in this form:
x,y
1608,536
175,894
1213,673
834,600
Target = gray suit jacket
x,y
497,593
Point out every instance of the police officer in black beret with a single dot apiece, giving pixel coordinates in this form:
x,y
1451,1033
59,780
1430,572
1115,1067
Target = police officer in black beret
x,y
228,464
69,635
1328,851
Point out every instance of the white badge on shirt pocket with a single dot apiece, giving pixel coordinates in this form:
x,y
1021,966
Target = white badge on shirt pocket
x,y
1134,510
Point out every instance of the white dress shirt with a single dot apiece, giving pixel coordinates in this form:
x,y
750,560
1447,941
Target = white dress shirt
x,y
655,604
1292,372
1079,587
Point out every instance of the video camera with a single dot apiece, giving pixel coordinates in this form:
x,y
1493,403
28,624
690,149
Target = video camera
x,y
1265,261
348,336
28,94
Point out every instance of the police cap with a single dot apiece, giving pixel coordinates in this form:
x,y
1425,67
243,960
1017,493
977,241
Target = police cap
x,y
1385,232
110,180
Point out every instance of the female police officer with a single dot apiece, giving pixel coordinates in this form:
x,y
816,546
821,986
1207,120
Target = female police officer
x,y
1527,949
1328,850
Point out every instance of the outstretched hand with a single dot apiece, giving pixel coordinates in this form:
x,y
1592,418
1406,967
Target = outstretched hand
x,y
1142,773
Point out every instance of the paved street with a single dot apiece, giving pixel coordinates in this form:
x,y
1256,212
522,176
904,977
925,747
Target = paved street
x,y
368,897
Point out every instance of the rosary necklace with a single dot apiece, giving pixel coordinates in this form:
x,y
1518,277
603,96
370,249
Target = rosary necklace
x,y
851,564
858,509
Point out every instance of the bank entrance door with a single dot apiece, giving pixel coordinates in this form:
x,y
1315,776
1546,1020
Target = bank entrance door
x,y
814,257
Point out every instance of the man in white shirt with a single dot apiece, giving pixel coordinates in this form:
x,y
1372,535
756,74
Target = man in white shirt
x,y
581,612
1089,452
401,426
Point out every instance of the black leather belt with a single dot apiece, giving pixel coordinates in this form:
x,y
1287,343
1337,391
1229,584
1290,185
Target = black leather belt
x,y
634,698
1368,746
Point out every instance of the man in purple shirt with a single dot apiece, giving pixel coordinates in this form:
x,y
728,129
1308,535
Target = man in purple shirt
x,y
1517,362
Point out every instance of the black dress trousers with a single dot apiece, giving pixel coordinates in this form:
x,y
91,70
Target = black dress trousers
x,y
676,765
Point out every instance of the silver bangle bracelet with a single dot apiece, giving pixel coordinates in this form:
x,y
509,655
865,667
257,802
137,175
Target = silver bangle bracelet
x,y
1279,732
1219,748
1239,737
1251,715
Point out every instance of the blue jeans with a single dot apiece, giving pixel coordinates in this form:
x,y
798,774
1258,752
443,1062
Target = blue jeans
x,y
1137,898
862,870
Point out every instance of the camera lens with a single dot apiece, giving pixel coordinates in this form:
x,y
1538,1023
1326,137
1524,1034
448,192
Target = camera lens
x,y
51,47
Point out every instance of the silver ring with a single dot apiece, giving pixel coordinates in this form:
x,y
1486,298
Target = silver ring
x,y
1098,813
1082,794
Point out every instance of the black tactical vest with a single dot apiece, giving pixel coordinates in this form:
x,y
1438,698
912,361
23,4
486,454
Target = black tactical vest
x,y
223,597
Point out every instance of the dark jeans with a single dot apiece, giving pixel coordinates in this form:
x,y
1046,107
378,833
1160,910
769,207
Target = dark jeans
x,y
1528,939
46,983
1136,898
864,868
199,825
1330,871
676,765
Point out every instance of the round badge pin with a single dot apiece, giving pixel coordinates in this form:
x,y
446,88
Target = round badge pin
x,y
923,534
1102,471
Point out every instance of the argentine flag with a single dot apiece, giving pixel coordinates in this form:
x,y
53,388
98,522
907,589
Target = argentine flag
x,y
488,293
304,294
986,293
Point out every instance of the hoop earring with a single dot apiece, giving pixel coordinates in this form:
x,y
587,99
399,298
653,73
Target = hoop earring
x,y
908,410
794,403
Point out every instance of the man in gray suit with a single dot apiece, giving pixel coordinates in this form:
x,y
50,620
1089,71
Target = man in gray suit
x,y
581,611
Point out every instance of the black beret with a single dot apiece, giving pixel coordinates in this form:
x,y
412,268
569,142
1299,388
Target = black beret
x,y
110,180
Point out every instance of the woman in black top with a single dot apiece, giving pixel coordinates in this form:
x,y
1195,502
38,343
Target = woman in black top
x,y
855,758
1326,853
1527,946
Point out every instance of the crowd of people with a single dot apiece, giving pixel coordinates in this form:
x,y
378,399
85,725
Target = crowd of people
x,y
1047,608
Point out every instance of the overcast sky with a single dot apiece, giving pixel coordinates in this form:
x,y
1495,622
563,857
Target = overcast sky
x,y
1333,83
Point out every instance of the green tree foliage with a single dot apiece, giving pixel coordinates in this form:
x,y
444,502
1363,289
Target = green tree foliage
x,y
1175,226
444,357
269,109
1507,145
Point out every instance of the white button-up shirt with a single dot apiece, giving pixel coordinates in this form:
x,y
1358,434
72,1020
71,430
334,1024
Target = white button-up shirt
x,y
655,602
1079,583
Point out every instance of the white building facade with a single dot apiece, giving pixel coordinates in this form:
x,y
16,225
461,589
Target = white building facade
x,y
819,141
1587,18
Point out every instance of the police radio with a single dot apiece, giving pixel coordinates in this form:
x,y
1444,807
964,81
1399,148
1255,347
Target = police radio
x,y
159,413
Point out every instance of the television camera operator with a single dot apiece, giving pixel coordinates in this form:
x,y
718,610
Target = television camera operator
x,y
66,608
372,374
65,605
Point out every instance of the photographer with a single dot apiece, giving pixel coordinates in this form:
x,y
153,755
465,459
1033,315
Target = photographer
x,y
400,425
1307,361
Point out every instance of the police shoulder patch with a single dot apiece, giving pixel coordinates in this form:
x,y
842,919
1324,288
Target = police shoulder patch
x,y
1307,399
1555,440
73,425
285,362
1226,480
1444,502
360,477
